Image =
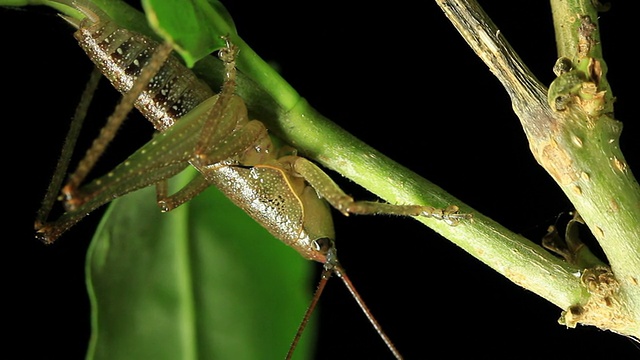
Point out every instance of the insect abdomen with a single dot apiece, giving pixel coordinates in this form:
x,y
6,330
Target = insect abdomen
x,y
121,54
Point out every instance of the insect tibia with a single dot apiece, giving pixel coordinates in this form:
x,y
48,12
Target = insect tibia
x,y
330,191
228,57
449,215
168,202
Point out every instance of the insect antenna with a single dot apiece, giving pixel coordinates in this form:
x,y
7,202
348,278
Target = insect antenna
x,y
332,266
326,274
339,271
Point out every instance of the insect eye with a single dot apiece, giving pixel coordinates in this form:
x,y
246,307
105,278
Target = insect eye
x,y
323,245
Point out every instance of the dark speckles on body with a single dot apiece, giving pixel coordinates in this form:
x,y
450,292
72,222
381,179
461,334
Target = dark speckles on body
x,y
121,55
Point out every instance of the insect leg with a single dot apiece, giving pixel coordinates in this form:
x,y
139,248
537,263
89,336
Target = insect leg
x,y
168,202
228,57
329,190
238,143
107,133
102,191
166,155
67,149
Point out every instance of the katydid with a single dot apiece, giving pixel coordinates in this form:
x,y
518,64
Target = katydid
x,y
284,192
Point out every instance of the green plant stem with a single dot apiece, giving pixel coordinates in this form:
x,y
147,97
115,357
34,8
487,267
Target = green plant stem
x,y
517,258
297,123
573,38
572,135
608,197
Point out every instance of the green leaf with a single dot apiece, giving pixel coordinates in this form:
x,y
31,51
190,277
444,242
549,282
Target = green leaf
x,y
204,281
193,27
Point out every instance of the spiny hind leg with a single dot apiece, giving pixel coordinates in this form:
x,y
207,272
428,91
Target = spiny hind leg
x,y
330,191
108,132
67,150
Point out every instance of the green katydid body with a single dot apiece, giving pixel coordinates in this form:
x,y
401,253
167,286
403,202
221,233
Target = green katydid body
x,y
238,157
284,192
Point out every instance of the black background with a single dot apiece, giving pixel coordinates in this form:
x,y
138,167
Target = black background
x,y
399,77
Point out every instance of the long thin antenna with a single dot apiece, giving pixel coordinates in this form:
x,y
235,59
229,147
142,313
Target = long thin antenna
x,y
326,274
332,266
339,271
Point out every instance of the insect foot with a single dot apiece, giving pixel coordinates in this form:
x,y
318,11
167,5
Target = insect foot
x,y
229,53
43,233
450,215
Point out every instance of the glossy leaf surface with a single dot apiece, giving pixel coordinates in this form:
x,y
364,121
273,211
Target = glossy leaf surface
x,y
204,281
